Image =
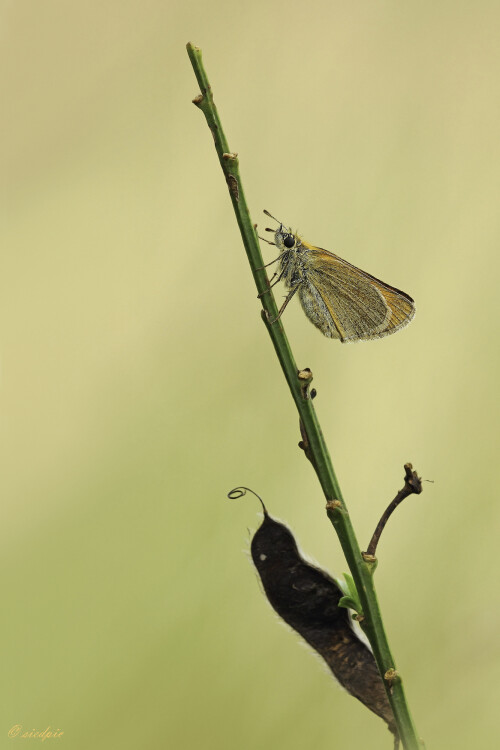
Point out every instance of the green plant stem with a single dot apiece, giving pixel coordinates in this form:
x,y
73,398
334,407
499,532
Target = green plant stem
x,y
316,448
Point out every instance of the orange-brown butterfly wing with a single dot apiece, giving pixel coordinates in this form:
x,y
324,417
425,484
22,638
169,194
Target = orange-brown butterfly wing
x,y
354,305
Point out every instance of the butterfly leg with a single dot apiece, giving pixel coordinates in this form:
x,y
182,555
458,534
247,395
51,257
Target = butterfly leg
x,y
266,240
271,284
260,268
285,303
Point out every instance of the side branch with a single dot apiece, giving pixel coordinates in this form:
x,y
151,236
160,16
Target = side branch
x,y
412,486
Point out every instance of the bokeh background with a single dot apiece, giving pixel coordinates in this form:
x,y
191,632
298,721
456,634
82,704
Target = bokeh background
x,y
138,384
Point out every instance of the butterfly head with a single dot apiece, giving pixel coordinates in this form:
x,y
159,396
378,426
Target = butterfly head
x,y
284,239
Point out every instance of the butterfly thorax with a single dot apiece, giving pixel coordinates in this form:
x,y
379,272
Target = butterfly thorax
x,y
293,260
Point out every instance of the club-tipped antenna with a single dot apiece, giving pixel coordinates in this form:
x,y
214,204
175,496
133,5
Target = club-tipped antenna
x,y
273,217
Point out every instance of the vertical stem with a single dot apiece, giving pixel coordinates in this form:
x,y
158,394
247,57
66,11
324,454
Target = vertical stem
x,y
336,508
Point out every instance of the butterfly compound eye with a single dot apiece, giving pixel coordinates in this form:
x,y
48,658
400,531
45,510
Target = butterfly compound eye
x,y
289,240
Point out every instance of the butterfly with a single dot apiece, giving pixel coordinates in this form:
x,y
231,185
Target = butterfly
x,y
341,300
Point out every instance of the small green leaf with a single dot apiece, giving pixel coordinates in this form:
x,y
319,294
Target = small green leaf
x,y
347,602
342,586
350,600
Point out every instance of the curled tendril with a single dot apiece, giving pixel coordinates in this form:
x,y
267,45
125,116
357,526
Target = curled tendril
x,y
241,491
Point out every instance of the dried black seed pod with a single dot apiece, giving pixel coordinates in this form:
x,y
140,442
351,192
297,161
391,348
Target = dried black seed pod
x,y
307,599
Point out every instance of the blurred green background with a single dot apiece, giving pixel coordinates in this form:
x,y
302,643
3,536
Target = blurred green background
x,y
138,384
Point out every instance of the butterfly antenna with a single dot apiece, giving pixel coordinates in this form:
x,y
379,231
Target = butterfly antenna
x,y
272,217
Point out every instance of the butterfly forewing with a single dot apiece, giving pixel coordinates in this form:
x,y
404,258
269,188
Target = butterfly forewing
x,y
358,306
